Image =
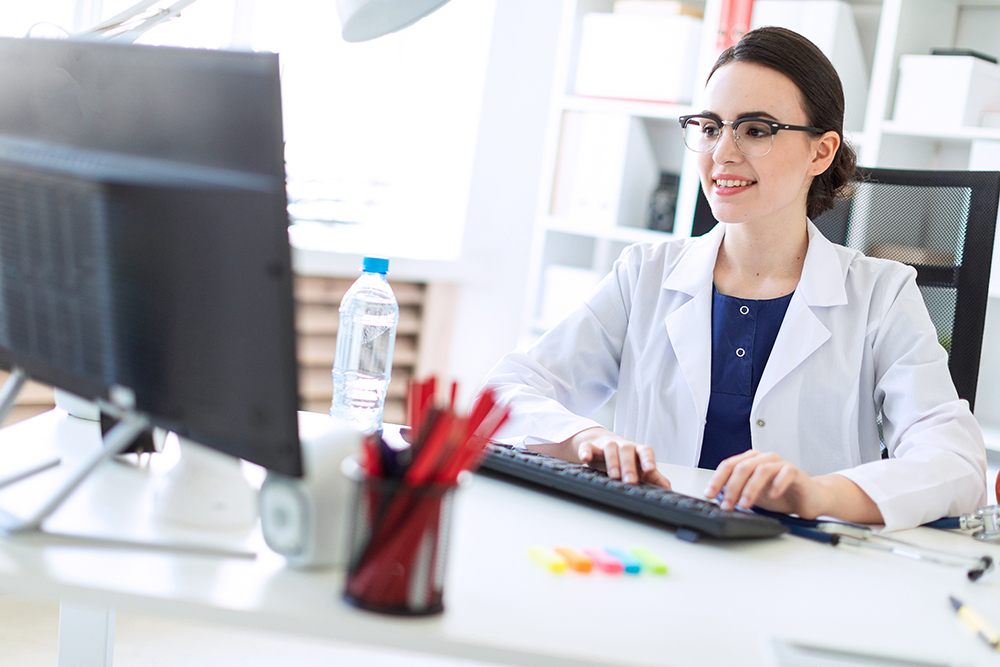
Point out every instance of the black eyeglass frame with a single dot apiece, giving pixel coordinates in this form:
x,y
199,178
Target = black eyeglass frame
x,y
774,126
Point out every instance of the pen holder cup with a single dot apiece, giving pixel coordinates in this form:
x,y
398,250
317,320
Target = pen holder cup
x,y
398,546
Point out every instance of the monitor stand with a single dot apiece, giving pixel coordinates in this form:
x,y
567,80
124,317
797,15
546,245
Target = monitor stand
x,y
75,406
130,425
205,489
8,395
175,492
202,488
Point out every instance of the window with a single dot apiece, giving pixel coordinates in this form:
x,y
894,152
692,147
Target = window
x,y
43,18
380,136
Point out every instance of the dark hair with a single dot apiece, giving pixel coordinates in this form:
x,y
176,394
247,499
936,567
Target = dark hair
x,y
813,74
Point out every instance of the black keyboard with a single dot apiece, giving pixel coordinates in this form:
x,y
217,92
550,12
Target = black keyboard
x,y
692,517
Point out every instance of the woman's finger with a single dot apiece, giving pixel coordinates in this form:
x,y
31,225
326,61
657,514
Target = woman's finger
x,y
762,478
744,468
656,477
647,458
628,458
722,473
783,480
611,463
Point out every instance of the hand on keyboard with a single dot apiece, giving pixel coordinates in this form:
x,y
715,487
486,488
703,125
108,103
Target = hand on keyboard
x,y
765,479
620,458
691,516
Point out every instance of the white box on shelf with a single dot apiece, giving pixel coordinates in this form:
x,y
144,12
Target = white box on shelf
x,y
829,24
991,119
984,155
606,171
946,91
638,57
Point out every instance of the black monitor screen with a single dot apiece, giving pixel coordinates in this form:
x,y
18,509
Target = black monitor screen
x,y
143,236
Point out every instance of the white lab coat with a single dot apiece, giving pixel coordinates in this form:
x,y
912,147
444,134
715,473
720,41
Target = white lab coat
x,y
856,339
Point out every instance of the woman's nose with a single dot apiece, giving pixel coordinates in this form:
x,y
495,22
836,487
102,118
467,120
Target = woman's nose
x,y
726,150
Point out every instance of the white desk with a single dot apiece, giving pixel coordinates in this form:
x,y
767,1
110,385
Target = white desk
x,y
721,604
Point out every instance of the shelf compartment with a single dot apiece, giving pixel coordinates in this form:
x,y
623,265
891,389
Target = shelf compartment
x,y
638,109
610,232
950,135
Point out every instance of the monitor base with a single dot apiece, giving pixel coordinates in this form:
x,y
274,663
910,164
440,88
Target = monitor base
x,y
75,406
205,490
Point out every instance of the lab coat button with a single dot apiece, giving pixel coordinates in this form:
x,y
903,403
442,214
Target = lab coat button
x,y
740,352
761,423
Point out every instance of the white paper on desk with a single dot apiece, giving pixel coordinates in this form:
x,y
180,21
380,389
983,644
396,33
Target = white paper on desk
x,y
789,653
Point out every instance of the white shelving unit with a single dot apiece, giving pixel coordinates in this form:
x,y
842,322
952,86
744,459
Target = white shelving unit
x,y
641,134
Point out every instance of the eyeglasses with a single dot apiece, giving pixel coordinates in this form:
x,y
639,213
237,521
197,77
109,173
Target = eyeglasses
x,y
754,136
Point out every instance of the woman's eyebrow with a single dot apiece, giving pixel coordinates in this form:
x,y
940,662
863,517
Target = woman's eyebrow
x,y
745,114
756,114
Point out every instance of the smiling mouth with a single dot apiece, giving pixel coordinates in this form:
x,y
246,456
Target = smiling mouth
x,y
730,183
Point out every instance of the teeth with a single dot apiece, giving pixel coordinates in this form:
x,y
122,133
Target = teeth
x,y
733,184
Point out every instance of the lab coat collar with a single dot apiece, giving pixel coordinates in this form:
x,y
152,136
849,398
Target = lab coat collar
x,y
823,274
695,268
689,327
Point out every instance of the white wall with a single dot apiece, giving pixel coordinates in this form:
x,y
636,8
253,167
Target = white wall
x,y
506,176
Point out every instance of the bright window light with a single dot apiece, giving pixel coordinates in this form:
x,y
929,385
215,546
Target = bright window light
x,y
380,136
44,18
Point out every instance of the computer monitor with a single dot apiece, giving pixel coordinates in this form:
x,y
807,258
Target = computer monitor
x,y
143,237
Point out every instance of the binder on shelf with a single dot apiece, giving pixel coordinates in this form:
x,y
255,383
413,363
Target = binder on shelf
x,y
657,8
606,171
734,22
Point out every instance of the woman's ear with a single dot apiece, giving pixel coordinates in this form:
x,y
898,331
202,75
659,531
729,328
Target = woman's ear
x,y
824,150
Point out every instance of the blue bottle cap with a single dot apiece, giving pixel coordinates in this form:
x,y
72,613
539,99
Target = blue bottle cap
x,y
375,265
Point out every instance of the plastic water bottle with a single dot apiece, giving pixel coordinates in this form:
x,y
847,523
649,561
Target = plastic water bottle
x,y
365,340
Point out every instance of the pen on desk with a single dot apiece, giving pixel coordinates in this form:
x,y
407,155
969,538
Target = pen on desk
x,y
975,622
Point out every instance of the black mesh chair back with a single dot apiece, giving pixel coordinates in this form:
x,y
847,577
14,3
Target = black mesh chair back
x,y
940,222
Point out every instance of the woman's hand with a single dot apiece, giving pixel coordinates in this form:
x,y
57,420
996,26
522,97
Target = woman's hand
x,y
621,458
765,479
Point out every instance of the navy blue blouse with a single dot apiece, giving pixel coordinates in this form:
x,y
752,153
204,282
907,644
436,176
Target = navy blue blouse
x,y
743,333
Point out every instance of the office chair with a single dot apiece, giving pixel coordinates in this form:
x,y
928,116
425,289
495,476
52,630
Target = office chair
x,y
940,222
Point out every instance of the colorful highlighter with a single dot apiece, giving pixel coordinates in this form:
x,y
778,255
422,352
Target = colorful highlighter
x,y
650,561
604,562
577,561
630,563
548,559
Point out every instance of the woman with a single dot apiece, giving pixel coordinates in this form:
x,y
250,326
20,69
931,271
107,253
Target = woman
x,y
761,349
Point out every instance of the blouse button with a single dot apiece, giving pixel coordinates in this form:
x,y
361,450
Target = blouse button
x,y
761,423
740,352
744,310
